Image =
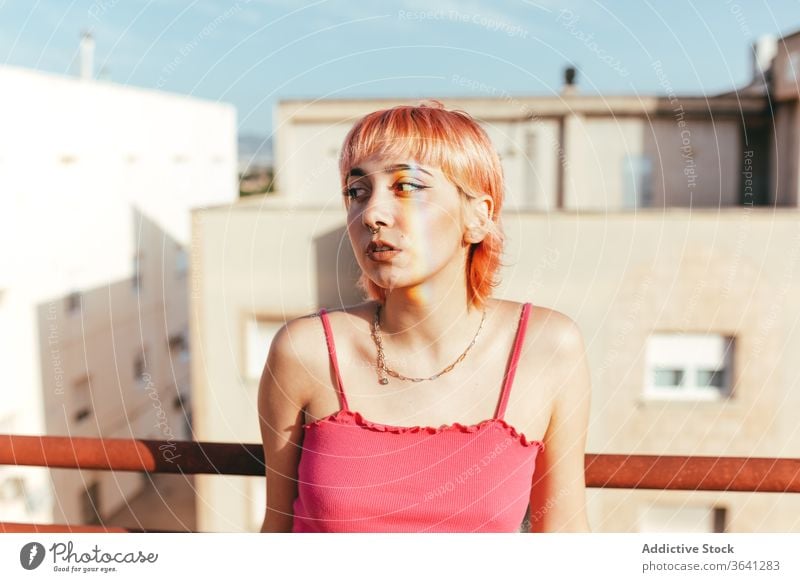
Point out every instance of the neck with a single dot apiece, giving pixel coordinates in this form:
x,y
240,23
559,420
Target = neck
x,y
432,321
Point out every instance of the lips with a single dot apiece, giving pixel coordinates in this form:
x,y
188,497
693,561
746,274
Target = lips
x,y
381,251
379,245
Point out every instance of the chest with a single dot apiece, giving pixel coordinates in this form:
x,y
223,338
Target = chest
x,y
448,480
468,394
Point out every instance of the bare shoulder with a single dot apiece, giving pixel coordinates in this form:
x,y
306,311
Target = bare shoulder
x,y
355,311
553,347
560,338
546,326
298,356
558,329
294,339
303,338
299,349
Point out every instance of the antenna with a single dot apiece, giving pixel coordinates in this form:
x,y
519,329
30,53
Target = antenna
x,y
87,55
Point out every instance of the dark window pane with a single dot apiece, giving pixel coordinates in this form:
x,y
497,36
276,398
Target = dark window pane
x,y
667,377
710,378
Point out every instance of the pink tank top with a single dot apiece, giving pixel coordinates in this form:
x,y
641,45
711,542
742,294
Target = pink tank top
x,y
361,476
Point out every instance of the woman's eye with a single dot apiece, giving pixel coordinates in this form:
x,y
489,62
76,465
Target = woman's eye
x,y
354,193
411,187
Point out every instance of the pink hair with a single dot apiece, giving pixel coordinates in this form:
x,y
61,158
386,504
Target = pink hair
x,y
454,142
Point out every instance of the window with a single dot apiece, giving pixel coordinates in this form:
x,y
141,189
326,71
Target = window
x,y
73,302
688,366
258,336
180,402
682,519
663,377
140,369
637,181
179,347
82,400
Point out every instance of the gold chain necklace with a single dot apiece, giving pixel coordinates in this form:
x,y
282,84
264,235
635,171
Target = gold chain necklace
x,y
383,369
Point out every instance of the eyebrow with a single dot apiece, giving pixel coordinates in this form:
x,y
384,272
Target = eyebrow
x,y
389,169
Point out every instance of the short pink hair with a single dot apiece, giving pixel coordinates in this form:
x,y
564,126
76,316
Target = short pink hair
x,y
452,141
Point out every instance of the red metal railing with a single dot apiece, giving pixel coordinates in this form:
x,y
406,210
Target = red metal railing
x,y
753,474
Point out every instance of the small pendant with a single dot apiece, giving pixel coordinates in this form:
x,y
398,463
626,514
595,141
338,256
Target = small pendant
x,y
384,380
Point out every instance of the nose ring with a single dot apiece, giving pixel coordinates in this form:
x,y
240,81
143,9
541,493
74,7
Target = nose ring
x,y
374,230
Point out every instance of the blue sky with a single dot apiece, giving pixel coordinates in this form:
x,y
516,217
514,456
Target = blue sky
x,y
251,53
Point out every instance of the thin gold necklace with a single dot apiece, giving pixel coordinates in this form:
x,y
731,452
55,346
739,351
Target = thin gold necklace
x,y
383,369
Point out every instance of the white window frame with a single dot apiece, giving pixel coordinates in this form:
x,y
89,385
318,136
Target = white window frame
x,y
255,347
690,353
668,518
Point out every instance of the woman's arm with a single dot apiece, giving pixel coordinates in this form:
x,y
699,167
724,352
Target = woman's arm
x,y
282,396
558,494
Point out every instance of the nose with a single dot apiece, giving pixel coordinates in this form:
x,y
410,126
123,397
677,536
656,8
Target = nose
x,y
378,210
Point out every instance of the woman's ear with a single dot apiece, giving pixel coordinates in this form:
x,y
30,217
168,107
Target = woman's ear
x,y
481,209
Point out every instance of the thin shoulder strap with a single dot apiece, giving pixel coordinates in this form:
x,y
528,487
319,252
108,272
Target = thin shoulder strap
x,y
512,365
323,314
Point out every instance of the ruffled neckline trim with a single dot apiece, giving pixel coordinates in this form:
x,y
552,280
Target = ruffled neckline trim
x,y
355,418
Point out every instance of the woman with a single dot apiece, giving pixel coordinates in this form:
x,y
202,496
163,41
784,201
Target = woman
x,y
398,414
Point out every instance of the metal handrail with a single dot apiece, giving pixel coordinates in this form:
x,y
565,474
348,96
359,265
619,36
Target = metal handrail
x,y
150,456
610,471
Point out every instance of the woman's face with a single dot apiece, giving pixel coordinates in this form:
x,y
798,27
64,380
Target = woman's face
x,y
419,213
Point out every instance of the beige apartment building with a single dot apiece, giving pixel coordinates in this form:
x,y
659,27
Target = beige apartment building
x,y
666,226
97,183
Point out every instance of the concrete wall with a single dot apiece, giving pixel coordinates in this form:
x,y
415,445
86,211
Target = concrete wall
x,y
595,150
529,154
697,165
